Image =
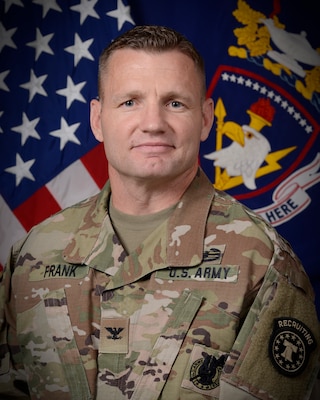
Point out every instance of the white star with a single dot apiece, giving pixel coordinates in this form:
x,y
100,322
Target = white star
x,y
225,76
66,133
233,78
9,3
3,85
122,13
256,86
47,5
290,110
80,49
86,9
303,123
27,128
308,129
72,92
277,99
263,90
41,44
21,169
271,94
296,116
35,85
5,37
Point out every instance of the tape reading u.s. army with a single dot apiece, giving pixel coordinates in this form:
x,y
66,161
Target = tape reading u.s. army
x,y
226,273
58,271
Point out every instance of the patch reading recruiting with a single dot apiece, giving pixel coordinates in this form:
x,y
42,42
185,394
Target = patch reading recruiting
x,y
290,346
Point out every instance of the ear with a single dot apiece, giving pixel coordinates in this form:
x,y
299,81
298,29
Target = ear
x,y
207,118
95,119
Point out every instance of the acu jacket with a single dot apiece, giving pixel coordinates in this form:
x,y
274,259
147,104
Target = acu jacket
x,y
212,305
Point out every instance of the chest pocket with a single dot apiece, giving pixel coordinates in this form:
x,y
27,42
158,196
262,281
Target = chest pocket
x,y
50,354
156,348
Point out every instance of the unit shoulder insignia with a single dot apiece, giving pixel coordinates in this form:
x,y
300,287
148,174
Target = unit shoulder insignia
x,y
205,372
290,346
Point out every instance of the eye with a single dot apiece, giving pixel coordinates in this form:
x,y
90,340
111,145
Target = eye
x,y
128,103
175,104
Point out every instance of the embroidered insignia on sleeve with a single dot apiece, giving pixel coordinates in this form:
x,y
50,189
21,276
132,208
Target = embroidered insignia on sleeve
x,y
205,372
290,346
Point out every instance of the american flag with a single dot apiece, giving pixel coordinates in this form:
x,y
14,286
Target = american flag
x,y
256,53
49,158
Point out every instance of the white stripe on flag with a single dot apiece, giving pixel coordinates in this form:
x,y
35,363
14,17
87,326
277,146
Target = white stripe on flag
x,y
72,185
10,230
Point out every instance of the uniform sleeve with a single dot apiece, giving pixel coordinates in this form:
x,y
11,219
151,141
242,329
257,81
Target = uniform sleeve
x,y
276,353
12,376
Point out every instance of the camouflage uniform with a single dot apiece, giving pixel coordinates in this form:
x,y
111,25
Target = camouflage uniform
x,y
212,305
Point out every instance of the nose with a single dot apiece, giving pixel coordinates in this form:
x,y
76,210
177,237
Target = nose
x,y
153,118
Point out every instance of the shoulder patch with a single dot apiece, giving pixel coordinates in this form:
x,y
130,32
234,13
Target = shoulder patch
x,y
290,346
205,372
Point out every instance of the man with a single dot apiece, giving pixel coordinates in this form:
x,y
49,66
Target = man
x,y
159,287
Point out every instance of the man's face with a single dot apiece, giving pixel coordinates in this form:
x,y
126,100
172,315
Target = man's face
x,y
152,115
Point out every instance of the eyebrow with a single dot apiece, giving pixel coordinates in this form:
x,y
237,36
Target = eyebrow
x,y
177,95
120,97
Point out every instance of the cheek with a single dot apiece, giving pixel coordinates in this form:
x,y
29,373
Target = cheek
x,y
113,154
114,123
191,132
115,143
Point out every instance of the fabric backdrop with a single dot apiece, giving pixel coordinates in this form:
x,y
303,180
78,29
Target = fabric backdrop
x,y
263,71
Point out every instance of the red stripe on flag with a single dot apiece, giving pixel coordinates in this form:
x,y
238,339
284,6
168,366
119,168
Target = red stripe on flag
x,y
36,208
96,164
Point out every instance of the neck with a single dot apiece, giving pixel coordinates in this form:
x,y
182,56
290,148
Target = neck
x,y
141,196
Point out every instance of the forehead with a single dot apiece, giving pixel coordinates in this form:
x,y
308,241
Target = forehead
x,y
139,66
144,60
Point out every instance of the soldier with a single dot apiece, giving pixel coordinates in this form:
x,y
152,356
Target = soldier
x,y
160,286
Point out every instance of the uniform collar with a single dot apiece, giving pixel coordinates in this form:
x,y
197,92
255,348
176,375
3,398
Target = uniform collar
x,y
95,243
191,212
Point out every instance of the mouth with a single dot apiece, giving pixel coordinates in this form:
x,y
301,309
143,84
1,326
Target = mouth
x,y
153,147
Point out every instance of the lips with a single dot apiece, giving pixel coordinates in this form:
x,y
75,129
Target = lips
x,y
153,147
152,144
